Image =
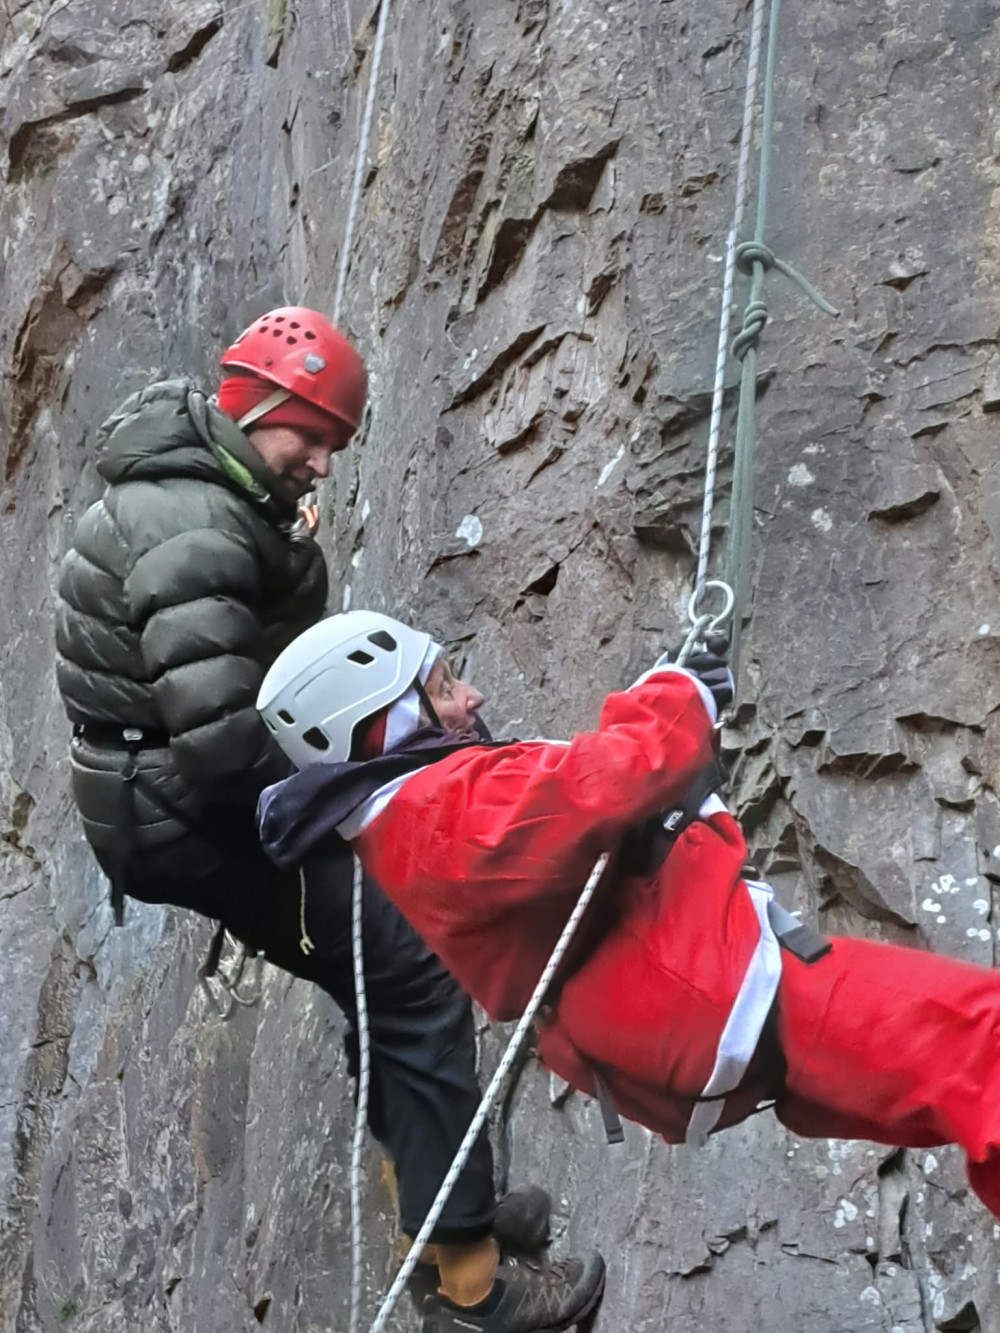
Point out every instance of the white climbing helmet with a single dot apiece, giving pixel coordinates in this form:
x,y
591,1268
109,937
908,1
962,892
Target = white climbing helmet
x,y
334,676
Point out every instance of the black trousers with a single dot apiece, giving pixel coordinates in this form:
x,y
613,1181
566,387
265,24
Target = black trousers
x,y
423,1082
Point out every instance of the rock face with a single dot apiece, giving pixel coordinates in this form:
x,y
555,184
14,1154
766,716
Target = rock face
x,y
535,284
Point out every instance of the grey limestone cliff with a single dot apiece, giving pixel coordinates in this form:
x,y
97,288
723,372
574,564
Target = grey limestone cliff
x,y
535,286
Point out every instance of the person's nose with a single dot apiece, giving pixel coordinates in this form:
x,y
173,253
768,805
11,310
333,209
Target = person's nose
x,y
319,464
474,701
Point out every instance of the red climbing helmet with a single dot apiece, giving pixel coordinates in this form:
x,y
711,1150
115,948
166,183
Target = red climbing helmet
x,y
297,350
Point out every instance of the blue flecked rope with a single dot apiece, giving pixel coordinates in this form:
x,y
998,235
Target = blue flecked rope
x,y
754,257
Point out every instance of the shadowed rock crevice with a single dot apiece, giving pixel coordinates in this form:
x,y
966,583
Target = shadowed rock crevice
x,y
36,146
52,327
194,46
571,192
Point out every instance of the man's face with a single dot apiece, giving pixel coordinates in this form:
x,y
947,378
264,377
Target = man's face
x,y
455,703
299,458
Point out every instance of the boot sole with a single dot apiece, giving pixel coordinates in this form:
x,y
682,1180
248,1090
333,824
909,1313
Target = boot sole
x,y
592,1304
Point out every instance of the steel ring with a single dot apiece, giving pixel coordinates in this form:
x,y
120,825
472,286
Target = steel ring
x,y
718,621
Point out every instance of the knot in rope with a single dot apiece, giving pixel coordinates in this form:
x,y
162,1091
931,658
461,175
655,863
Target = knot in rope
x,y
754,319
754,252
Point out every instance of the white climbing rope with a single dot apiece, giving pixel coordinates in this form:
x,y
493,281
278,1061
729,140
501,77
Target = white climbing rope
x,y
359,161
364,1045
490,1095
361,1115
725,320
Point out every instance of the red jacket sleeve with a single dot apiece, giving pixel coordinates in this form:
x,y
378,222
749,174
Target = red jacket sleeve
x,y
527,820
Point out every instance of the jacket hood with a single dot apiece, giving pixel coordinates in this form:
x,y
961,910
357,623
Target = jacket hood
x,y
171,429
298,817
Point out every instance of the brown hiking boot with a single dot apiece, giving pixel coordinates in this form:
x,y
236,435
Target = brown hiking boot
x,y
520,1226
525,1298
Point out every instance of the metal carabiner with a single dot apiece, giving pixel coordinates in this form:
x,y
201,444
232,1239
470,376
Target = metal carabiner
x,y
716,623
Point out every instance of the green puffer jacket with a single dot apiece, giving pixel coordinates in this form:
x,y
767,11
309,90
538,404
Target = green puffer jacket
x,y
183,584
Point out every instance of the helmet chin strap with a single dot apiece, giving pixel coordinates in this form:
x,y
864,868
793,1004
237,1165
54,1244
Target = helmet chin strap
x,y
272,401
482,730
426,704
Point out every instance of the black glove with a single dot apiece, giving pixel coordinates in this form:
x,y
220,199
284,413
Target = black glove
x,y
711,666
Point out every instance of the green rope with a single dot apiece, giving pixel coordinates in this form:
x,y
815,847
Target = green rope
x,y
754,257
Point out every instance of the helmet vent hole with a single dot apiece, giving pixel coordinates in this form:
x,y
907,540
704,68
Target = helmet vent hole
x,y
291,340
361,657
279,319
382,639
286,716
294,324
309,334
316,739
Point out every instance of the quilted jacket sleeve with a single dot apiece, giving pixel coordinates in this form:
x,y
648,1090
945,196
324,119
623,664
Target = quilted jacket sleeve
x,y
196,594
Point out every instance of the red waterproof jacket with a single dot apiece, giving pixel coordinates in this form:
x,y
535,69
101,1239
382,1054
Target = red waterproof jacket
x,y
486,853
